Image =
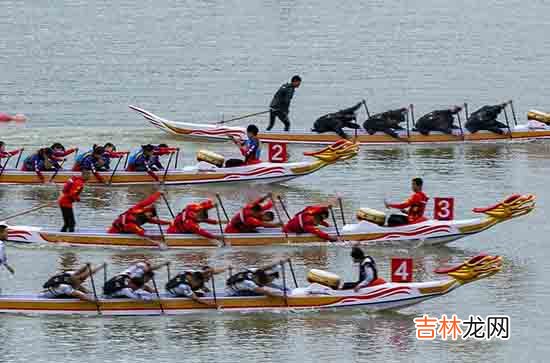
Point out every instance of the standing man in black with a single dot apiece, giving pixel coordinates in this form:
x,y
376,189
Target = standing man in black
x,y
281,102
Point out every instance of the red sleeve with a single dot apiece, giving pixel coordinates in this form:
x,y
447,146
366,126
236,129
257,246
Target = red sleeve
x,y
117,154
152,173
194,228
405,204
325,223
14,152
66,152
147,202
316,231
211,221
254,222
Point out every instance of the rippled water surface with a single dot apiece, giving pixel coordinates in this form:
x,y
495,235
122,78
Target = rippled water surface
x,y
74,66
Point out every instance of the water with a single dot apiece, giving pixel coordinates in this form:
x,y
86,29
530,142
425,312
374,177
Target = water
x,y
74,66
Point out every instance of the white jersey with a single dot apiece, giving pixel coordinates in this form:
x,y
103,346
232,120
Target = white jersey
x,y
3,257
136,270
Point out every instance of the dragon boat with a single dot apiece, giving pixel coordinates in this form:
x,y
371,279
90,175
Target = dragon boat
x,y
217,132
201,173
316,296
430,232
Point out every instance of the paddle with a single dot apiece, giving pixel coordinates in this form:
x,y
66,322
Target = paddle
x,y
18,214
334,221
19,158
366,108
460,125
466,111
342,210
243,117
5,164
162,245
177,157
411,107
167,167
221,205
93,288
126,160
157,293
114,171
278,214
168,206
214,290
284,283
292,272
168,270
56,171
513,112
220,224
283,206
507,122
408,128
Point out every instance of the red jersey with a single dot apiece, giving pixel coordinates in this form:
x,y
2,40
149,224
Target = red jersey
x,y
188,221
245,221
71,192
304,222
132,220
416,204
7,154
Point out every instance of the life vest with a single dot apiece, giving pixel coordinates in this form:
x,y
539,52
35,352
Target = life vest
x,y
115,284
64,278
368,262
80,157
182,279
240,277
133,158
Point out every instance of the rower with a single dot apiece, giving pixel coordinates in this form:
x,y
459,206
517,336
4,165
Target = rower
x,y
134,218
41,161
3,255
439,120
307,221
69,284
145,160
59,151
414,207
192,284
335,122
92,161
253,215
70,194
281,102
255,282
111,153
486,119
132,283
6,154
386,122
251,148
368,273
189,219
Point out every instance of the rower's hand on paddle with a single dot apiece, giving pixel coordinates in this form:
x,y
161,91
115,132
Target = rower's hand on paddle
x,y
386,203
10,269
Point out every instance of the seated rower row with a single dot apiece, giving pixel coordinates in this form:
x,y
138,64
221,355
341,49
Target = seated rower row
x,y
254,215
133,283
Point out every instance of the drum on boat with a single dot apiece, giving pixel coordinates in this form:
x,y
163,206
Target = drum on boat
x,y
540,116
324,278
371,215
210,157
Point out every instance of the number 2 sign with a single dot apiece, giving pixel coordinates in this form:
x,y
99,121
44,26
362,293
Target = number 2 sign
x,y
401,269
444,209
277,153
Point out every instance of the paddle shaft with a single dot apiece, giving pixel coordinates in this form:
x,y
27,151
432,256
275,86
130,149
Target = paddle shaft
x,y
162,236
214,290
167,167
243,117
283,206
223,208
5,164
466,111
56,171
513,112
411,107
114,170
278,214
19,159
334,221
93,288
157,293
292,272
507,122
28,211
284,283
460,125
408,128
168,206
341,204
366,108
220,224
177,157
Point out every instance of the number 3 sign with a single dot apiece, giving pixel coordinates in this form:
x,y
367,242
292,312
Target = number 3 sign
x,y
444,209
401,269
277,153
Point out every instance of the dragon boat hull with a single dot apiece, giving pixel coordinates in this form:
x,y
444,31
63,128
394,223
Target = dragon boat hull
x,y
213,133
431,232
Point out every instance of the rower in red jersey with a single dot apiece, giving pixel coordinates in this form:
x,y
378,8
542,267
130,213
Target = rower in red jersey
x,y
190,218
307,221
414,207
6,154
70,194
134,218
253,215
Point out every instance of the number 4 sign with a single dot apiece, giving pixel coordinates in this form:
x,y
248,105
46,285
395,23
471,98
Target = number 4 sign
x,y
444,209
401,269
277,153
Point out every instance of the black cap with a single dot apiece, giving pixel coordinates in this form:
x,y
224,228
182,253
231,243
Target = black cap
x,y
357,253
